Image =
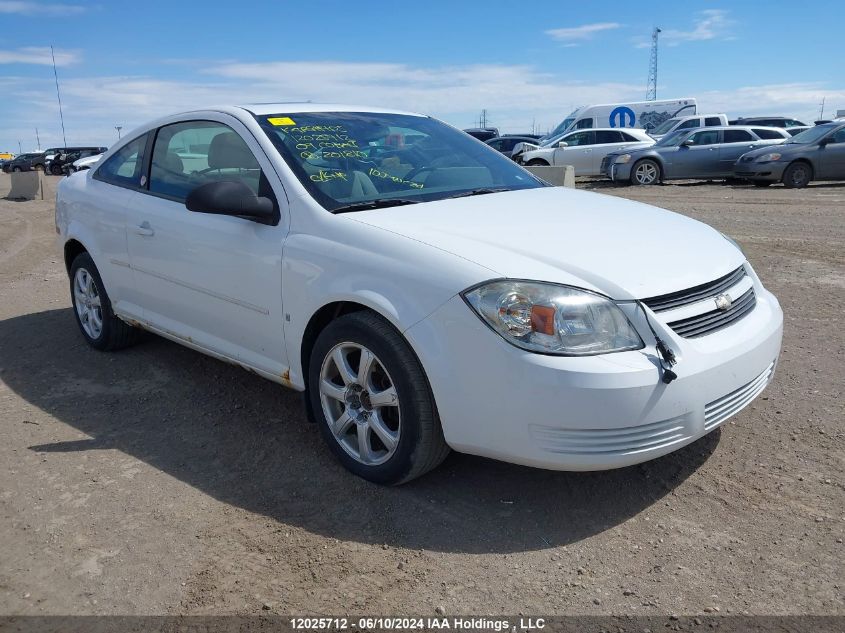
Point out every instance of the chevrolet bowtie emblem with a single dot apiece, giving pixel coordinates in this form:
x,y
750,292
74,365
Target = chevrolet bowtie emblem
x,y
723,302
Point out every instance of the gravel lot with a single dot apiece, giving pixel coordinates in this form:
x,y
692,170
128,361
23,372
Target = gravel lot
x,y
159,481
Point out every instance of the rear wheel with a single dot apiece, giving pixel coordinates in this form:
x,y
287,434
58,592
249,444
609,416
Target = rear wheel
x,y
797,175
645,172
101,329
16,168
372,401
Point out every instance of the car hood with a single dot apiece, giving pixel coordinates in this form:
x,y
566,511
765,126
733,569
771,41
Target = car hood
x,y
781,148
621,248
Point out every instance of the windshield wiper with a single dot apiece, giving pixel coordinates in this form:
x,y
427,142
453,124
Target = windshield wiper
x,y
374,204
477,192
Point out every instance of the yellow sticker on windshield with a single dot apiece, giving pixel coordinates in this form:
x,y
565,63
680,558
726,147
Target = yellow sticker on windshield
x,y
280,120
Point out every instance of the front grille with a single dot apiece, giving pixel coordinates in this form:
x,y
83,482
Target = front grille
x,y
722,408
620,441
697,293
709,322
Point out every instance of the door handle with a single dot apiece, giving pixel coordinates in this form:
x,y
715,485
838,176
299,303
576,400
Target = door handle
x,y
144,229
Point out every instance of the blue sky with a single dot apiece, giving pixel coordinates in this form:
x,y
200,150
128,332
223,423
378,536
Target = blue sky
x,y
123,63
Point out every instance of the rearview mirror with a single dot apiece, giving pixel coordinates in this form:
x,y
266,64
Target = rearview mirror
x,y
563,144
231,197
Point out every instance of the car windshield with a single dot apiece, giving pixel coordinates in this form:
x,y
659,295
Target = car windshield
x,y
665,126
811,135
671,139
355,160
564,125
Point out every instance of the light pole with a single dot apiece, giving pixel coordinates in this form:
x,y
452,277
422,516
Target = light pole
x,y
118,128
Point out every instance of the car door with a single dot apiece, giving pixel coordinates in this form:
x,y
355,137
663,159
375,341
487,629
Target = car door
x,y
578,152
735,143
832,157
212,281
698,156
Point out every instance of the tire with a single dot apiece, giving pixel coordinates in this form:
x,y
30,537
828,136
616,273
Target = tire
x,y
86,290
762,183
645,172
389,443
16,169
55,170
536,162
797,176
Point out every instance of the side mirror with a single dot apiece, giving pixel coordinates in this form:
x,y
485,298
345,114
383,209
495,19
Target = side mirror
x,y
688,143
231,197
825,141
563,144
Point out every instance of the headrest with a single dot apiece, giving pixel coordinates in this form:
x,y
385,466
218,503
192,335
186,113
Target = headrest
x,y
228,150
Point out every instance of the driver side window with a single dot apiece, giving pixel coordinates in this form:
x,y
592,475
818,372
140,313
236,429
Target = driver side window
x,y
193,153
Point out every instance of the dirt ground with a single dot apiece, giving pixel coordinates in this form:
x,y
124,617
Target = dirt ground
x,y
159,481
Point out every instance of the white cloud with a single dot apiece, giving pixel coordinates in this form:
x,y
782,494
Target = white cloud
x,y
579,33
38,55
39,9
709,25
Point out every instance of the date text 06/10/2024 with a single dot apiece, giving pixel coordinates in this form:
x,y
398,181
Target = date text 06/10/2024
x,y
418,623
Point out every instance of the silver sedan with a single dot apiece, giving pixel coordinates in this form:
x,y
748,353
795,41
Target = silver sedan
x,y
706,153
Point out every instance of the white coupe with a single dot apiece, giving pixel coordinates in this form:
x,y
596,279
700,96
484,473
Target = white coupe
x,y
424,291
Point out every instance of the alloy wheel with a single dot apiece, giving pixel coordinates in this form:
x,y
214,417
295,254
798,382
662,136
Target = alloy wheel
x,y
87,303
646,173
360,403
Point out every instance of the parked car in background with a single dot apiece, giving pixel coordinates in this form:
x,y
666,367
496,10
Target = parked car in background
x,y
82,164
815,154
585,149
22,162
505,144
688,123
768,121
424,297
67,157
51,155
707,153
483,133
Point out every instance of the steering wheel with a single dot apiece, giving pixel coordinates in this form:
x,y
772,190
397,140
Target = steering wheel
x,y
419,170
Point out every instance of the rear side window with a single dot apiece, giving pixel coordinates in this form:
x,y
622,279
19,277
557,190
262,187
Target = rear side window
x,y
193,153
712,121
608,136
584,124
123,168
839,136
768,134
738,136
628,137
686,125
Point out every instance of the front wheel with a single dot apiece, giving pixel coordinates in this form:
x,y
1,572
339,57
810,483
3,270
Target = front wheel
x,y
372,401
536,162
797,176
645,172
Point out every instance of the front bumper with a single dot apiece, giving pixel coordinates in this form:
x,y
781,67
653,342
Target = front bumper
x,y
617,171
596,412
771,171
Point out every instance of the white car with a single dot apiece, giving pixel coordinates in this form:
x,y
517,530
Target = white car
x,y
86,163
585,149
426,292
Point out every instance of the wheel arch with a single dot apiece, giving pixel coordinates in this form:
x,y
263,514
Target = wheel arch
x,y
72,249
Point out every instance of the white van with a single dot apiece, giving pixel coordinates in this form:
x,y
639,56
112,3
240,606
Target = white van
x,y
687,123
642,114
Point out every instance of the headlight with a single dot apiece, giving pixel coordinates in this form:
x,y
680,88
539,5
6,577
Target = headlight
x,y
767,158
553,319
622,158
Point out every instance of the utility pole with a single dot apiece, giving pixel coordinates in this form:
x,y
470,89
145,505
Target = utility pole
x,y
37,139
118,128
821,111
483,120
20,148
651,85
58,96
